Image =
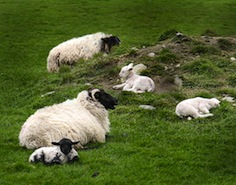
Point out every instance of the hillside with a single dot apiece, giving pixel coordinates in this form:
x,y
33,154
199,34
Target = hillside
x,y
176,62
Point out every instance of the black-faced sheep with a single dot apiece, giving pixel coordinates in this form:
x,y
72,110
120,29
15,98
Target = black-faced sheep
x,y
134,82
59,154
83,119
83,47
196,107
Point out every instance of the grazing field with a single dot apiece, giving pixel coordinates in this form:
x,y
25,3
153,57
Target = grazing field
x,y
144,146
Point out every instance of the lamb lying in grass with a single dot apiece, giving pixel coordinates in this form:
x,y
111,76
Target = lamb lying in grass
x,y
134,82
61,153
196,107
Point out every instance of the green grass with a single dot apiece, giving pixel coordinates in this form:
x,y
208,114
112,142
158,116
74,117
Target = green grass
x,y
144,147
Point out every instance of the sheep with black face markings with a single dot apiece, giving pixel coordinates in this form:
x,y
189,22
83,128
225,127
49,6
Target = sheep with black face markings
x,y
134,82
83,47
83,119
61,153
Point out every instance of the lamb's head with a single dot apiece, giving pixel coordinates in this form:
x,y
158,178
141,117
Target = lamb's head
x,y
104,98
126,71
214,102
109,42
65,145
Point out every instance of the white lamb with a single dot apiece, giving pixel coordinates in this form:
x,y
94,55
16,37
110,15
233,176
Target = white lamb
x,y
196,107
83,47
83,119
61,153
134,82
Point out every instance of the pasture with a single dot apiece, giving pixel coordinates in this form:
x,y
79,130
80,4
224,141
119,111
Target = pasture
x,y
144,146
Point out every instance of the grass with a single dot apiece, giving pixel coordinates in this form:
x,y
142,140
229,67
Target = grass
x,y
144,147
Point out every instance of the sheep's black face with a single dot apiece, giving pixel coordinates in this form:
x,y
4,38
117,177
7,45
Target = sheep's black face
x,y
109,42
65,149
65,145
106,100
113,40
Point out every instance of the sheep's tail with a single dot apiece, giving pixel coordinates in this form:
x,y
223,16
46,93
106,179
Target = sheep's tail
x,y
53,62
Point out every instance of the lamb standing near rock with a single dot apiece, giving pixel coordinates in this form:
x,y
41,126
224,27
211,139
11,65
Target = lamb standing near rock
x,y
82,119
83,47
134,82
196,107
59,154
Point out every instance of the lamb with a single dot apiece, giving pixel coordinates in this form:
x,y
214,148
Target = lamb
x,y
83,47
83,119
196,107
134,82
61,153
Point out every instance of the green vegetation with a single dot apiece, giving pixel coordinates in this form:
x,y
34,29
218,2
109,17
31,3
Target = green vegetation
x,y
143,147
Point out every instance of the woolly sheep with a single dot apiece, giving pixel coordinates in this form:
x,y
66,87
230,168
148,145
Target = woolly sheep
x,y
196,107
59,154
134,82
83,119
83,47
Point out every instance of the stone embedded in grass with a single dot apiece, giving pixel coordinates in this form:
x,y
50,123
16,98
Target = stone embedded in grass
x,y
148,107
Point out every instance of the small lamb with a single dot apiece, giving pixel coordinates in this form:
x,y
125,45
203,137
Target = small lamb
x,y
59,154
196,107
134,82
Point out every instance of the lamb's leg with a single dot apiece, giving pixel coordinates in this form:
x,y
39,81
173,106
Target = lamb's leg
x,y
120,86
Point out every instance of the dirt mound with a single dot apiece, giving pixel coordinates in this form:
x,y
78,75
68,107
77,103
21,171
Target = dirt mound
x,y
164,59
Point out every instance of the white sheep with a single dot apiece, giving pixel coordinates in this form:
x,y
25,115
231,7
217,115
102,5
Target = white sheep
x,y
83,119
196,107
59,154
134,82
83,47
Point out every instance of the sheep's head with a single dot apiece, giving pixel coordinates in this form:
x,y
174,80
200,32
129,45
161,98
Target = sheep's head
x,y
65,145
214,102
109,42
126,71
104,98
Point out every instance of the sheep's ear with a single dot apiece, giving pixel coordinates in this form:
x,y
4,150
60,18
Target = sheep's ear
x,y
105,40
55,143
74,143
130,65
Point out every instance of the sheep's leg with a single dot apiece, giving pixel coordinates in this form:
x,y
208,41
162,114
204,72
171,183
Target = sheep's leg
x,y
204,110
118,86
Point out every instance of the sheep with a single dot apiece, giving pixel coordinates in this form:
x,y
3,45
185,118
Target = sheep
x,y
61,153
196,107
83,47
83,119
134,82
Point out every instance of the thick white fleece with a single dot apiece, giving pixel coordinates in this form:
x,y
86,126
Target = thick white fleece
x,y
81,119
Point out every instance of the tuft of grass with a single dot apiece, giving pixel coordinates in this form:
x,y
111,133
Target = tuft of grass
x,y
225,44
210,33
203,67
204,50
167,35
167,57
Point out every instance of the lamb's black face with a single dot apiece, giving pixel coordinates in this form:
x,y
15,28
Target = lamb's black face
x,y
106,100
65,145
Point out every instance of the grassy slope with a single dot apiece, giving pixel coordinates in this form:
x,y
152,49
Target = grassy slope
x,y
145,147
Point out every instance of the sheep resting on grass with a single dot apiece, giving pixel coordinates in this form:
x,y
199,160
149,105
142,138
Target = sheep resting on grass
x,y
61,153
134,82
83,47
196,107
83,119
